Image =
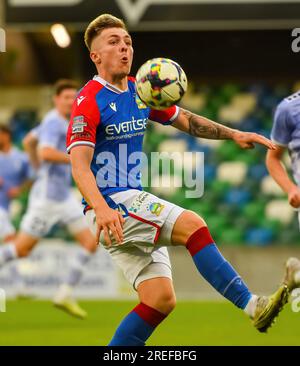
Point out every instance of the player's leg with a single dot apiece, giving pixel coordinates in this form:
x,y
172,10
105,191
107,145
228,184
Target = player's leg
x,y
17,245
148,270
292,273
157,300
87,248
153,283
9,238
292,270
8,235
76,223
191,231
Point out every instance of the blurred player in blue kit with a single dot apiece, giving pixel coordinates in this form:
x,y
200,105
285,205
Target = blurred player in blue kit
x,y
51,200
104,140
286,135
15,176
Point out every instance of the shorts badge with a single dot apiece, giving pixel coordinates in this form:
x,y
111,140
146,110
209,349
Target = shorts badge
x,y
155,208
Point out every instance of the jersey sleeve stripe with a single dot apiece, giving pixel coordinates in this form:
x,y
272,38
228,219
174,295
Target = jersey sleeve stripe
x,y
175,114
77,143
278,143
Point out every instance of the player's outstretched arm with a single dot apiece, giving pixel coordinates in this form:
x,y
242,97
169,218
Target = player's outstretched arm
x,y
30,143
53,155
107,219
199,126
278,172
15,192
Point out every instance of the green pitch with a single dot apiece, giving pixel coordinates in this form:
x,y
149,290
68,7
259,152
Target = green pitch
x,y
192,323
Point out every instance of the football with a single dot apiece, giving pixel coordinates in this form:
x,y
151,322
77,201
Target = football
x,y
160,83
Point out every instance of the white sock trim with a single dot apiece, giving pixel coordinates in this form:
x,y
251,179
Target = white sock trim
x,y
251,306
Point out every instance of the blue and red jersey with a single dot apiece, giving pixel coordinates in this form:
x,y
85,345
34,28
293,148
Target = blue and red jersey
x,y
113,122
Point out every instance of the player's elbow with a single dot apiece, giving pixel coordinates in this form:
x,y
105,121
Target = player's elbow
x,y
77,173
45,154
28,141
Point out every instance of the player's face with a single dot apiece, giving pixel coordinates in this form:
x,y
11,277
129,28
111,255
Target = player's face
x,y
112,52
64,101
4,140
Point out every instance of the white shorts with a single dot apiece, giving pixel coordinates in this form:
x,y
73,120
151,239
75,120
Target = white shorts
x,y
6,227
42,215
147,231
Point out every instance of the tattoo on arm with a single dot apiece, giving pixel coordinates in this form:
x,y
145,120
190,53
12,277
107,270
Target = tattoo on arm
x,y
203,127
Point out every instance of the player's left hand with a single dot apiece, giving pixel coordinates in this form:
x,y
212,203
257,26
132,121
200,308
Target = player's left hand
x,y
246,140
14,192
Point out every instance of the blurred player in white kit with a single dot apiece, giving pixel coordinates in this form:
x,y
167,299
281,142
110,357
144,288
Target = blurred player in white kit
x,y
51,200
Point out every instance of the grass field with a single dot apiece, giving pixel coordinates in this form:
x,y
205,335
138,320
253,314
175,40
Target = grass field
x,y
192,323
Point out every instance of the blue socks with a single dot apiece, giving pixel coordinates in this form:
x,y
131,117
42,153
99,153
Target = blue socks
x,y
137,327
215,269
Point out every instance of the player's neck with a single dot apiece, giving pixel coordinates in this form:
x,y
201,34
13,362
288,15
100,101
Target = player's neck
x,y
5,149
117,81
64,116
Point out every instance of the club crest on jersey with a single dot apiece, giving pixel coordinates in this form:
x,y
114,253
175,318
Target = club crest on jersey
x,y
139,103
78,124
155,208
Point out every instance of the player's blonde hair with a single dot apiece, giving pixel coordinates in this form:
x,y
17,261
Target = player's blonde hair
x,y
100,23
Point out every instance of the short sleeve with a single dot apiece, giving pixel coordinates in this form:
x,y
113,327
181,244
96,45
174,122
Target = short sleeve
x,y
164,117
49,133
36,131
282,128
84,121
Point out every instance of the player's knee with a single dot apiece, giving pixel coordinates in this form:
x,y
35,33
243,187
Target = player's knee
x,y
187,224
166,302
170,304
195,222
22,251
86,240
91,246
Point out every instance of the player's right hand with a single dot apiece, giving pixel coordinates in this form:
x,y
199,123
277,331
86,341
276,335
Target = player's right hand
x,y
294,197
111,222
246,140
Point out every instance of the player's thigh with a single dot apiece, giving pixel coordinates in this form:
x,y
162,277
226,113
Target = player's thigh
x,y
185,225
157,292
138,265
86,239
